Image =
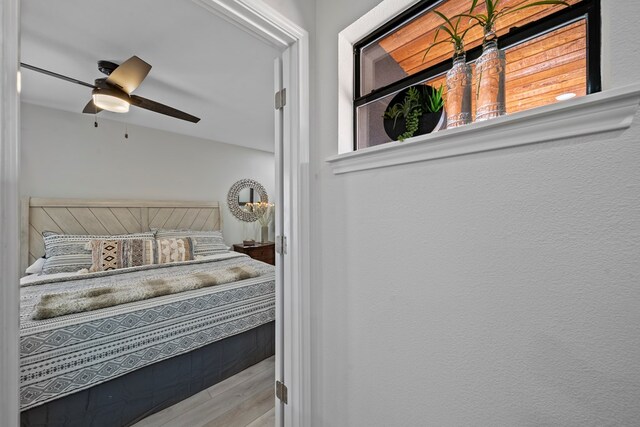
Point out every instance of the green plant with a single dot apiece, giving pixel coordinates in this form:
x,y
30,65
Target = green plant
x,y
434,101
488,20
411,109
455,37
415,103
411,124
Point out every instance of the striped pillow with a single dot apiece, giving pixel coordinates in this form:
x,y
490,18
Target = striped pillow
x,y
204,242
113,254
67,253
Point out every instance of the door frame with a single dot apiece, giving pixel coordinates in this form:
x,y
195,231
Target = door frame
x,y
263,22
9,213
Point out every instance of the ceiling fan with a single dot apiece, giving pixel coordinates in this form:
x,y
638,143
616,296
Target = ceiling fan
x,y
113,93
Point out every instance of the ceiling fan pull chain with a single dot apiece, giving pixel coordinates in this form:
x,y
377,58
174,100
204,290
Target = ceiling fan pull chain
x,y
95,121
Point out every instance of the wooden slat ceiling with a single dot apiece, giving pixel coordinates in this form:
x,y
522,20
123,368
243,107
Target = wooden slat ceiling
x,y
541,69
408,43
537,71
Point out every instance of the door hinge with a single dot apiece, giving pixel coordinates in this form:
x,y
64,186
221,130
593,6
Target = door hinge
x,y
281,244
281,98
281,392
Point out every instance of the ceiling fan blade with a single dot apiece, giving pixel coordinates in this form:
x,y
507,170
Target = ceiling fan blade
x,y
129,74
59,76
148,104
91,108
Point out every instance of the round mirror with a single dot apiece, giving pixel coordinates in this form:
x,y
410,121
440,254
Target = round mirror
x,y
243,192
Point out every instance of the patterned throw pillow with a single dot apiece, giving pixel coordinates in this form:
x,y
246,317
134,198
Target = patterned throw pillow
x,y
67,253
204,242
113,254
174,250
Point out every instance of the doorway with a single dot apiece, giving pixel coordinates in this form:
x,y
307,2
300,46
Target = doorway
x,y
260,21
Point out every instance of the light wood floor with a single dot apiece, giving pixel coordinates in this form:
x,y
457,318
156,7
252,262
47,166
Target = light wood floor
x,y
245,400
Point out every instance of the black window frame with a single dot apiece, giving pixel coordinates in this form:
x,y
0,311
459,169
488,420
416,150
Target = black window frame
x,y
586,9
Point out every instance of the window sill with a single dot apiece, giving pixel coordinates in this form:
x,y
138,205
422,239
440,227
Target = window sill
x,y
611,110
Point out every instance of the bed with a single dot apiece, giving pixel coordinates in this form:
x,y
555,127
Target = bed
x,y
113,366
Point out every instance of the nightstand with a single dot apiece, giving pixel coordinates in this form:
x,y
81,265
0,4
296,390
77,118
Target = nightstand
x,y
265,252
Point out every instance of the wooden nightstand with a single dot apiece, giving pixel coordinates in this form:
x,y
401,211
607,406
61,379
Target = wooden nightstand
x,y
265,252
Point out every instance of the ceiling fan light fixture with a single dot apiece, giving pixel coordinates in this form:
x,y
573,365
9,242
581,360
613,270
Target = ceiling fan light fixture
x,y
106,100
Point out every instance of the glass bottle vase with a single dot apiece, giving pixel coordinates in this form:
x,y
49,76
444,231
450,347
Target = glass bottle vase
x,y
458,105
248,231
490,79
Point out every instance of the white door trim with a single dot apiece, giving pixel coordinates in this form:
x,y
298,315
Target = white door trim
x,y
258,19
9,212
279,198
263,22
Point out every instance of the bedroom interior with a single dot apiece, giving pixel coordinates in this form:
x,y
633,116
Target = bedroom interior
x,y
481,275
179,301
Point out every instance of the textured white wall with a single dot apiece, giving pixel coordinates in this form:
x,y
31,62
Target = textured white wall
x,y
494,289
63,155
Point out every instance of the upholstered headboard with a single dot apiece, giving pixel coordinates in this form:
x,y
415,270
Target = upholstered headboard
x,y
108,217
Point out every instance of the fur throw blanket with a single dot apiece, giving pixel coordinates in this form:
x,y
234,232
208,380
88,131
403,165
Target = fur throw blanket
x,y
60,304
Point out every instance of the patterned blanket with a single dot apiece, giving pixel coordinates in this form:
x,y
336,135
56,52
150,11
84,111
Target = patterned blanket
x,y
73,352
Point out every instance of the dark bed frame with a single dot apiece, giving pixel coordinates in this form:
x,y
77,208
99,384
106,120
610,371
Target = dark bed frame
x,y
126,400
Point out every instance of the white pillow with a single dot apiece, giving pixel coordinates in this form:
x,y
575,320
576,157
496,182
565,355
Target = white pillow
x,y
36,267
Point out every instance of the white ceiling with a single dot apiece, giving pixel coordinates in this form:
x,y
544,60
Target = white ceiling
x,y
202,64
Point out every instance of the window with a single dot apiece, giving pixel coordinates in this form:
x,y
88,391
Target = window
x,y
550,50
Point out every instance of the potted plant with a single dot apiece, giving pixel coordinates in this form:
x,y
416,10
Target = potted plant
x,y
433,100
490,67
459,76
454,34
414,111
